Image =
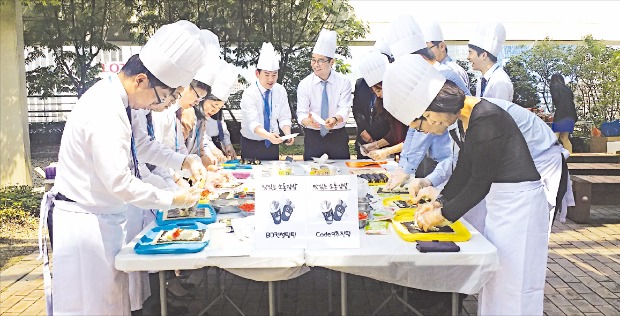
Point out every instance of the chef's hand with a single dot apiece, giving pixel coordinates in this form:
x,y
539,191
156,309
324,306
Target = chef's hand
x,y
289,142
274,138
331,122
416,184
193,163
379,154
430,218
427,193
188,121
366,137
219,155
310,122
208,158
371,146
182,183
398,177
186,197
229,151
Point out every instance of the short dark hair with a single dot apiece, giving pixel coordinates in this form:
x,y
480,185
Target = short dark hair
x,y
556,78
450,99
479,51
426,52
259,70
202,85
436,43
134,66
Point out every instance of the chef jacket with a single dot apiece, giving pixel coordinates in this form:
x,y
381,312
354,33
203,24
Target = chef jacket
x,y
498,86
494,151
310,92
457,68
95,153
253,106
168,129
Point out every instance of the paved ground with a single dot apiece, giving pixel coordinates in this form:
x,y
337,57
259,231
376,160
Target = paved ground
x,y
583,278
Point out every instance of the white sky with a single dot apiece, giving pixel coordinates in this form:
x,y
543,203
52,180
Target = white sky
x,y
524,20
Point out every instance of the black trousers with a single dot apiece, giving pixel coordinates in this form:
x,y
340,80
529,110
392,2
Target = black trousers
x,y
256,149
335,144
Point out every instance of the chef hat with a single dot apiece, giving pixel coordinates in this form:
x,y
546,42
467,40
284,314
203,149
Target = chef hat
x,y
431,30
268,59
207,73
372,67
174,53
404,36
410,84
223,84
489,36
382,46
326,44
212,43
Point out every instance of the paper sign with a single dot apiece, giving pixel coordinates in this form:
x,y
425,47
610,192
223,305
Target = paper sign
x,y
280,220
289,136
317,118
332,214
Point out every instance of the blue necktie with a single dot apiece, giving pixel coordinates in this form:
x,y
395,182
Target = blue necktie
x,y
483,85
149,125
134,157
267,116
324,108
220,131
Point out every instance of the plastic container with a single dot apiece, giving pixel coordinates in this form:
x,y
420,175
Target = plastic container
x,y
363,219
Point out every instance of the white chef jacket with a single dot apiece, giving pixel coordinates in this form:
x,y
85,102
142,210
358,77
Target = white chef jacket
x,y
194,142
498,86
95,153
310,93
212,131
168,129
253,107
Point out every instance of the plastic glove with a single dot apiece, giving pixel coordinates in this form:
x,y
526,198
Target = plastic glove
x,y
209,159
229,151
428,194
398,177
193,163
186,197
219,155
428,219
416,184
371,146
379,154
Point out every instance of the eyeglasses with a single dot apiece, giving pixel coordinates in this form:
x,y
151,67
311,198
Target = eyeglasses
x,y
199,99
157,95
421,119
319,61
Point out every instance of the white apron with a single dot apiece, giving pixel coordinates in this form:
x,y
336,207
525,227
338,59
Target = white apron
x,y
47,206
477,215
516,223
139,286
86,240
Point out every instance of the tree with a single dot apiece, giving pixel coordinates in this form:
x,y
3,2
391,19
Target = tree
x,y
524,83
74,31
292,26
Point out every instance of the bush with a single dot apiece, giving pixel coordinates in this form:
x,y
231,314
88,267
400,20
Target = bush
x,y
19,198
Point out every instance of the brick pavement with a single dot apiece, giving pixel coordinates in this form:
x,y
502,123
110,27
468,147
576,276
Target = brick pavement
x,y
583,278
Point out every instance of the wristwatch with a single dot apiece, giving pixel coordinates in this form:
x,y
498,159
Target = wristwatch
x,y
335,118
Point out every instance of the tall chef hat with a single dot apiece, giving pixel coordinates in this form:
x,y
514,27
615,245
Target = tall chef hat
x,y
404,36
223,84
212,43
382,46
410,84
268,59
174,53
372,67
489,36
326,44
207,73
431,30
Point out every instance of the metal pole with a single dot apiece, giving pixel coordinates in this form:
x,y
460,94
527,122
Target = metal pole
x,y
343,293
455,304
162,293
272,300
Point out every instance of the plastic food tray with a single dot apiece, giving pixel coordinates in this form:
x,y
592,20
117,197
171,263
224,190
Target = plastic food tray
x,y
159,218
145,245
460,232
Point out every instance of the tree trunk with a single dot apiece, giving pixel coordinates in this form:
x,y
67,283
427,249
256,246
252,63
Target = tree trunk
x,y
14,140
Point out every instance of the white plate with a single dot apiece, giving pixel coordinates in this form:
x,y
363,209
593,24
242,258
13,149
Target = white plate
x,y
287,137
317,118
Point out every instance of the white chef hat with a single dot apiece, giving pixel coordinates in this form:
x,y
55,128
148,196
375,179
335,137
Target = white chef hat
x,y
207,73
268,59
431,30
174,53
212,44
410,84
325,44
489,36
382,46
404,36
226,78
372,67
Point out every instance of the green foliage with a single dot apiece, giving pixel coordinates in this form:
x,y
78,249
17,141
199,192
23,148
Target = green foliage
x,y
470,74
292,26
19,198
524,83
74,31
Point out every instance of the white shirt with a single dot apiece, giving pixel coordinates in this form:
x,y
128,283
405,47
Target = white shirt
x,y
168,129
194,141
212,131
95,154
310,92
498,86
253,107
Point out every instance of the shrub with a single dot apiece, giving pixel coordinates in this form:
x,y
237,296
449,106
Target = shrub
x,y
22,197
